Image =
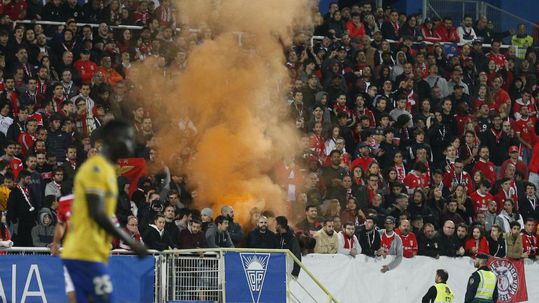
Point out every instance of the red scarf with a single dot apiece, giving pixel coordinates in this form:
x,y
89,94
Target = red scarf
x,y
348,241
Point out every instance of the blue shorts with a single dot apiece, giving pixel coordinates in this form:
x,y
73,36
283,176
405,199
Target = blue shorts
x,y
91,280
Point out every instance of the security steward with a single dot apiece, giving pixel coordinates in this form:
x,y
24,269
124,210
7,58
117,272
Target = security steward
x,y
440,291
483,284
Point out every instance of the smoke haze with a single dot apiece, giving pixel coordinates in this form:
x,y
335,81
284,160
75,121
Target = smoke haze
x,y
234,96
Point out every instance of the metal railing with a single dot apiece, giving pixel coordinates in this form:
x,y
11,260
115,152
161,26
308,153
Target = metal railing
x,y
196,274
457,9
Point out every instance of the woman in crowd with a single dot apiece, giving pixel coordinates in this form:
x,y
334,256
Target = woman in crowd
x,y
476,243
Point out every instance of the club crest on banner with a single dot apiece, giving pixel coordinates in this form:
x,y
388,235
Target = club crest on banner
x,y
508,281
255,267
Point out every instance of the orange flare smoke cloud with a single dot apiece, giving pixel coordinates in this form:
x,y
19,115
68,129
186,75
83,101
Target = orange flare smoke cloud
x,y
234,94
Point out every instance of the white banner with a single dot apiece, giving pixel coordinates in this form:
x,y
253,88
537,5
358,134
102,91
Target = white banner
x,y
359,279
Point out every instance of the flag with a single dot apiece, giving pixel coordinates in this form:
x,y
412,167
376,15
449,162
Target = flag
x,y
511,279
132,169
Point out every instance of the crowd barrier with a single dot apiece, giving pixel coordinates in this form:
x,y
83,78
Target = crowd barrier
x,y
210,275
243,275
359,279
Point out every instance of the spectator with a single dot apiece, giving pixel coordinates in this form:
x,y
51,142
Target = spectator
x,y
390,28
465,31
5,189
234,229
496,242
409,241
311,223
85,67
447,32
21,211
123,207
326,239
5,236
400,206
156,237
287,240
43,232
133,231
184,217
70,165
527,203
171,229
369,238
54,188
513,240
508,215
507,191
206,216
193,237
355,27
348,243
427,242
450,213
217,234
491,216
261,236
110,75
449,244
529,239
429,33
481,197
391,244
476,243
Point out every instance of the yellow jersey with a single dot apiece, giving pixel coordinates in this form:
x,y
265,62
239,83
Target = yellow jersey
x,y
4,195
85,240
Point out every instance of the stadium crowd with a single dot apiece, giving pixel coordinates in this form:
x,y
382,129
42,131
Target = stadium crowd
x,y
419,136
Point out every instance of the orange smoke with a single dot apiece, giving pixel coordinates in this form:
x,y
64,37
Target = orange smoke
x,y
233,90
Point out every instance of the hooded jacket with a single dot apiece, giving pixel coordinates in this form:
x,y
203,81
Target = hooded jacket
x,y
42,233
216,239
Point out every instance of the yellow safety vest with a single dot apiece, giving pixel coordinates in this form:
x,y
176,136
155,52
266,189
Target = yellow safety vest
x,y
444,294
487,284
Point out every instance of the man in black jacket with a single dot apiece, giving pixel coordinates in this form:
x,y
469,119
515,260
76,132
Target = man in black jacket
x,y
448,243
234,229
21,211
287,240
428,244
261,236
57,140
369,238
528,204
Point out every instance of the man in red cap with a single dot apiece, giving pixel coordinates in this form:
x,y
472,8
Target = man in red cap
x,y
514,158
